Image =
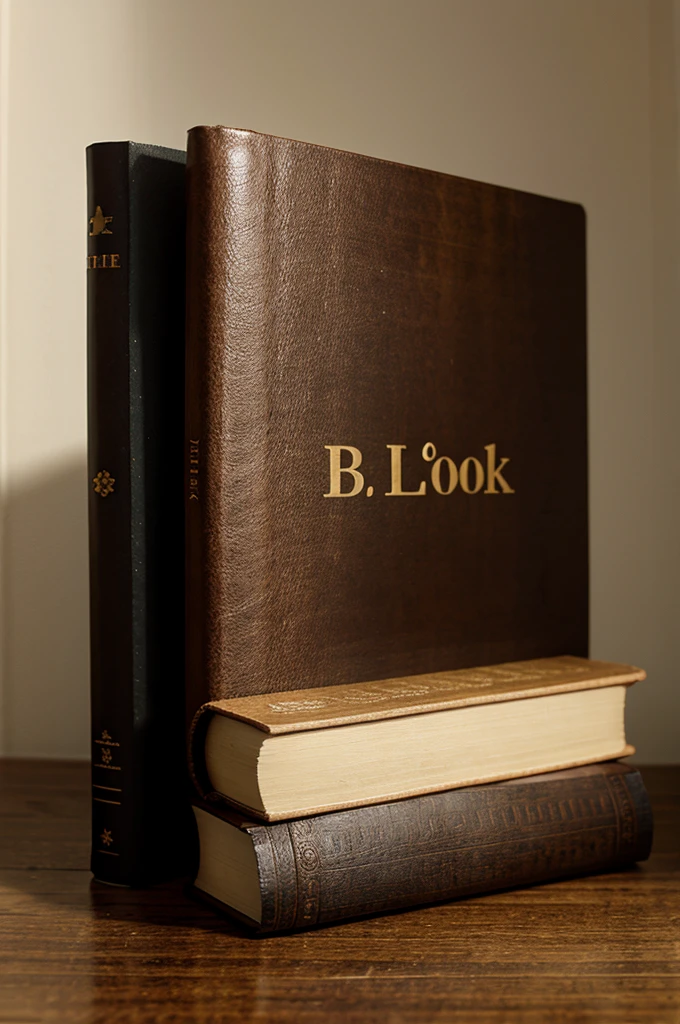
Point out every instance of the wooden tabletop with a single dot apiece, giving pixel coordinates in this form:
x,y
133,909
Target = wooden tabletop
x,y
602,949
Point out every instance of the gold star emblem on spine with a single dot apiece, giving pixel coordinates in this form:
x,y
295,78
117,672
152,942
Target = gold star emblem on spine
x,y
99,222
106,837
103,483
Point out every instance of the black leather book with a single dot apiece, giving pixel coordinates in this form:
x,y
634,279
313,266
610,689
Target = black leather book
x,y
135,327
364,860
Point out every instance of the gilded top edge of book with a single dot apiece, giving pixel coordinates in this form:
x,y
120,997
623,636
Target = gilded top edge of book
x,y
301,710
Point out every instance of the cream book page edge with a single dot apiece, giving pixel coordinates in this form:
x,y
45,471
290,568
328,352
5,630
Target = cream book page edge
x,y
261,816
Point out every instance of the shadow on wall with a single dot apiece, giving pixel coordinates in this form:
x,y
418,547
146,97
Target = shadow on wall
x,y
46,628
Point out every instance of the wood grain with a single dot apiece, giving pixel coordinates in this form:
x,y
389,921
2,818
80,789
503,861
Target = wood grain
x,y
600,950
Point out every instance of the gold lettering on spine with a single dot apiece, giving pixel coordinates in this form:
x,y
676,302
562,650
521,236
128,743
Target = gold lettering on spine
x,y
336,471
105,261
396,489
193,469
494,473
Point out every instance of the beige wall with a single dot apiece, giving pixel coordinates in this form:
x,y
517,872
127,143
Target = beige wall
x,y
572,98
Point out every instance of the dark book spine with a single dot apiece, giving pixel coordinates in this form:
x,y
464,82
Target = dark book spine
x,y
135,314
108,304
195,496
451,844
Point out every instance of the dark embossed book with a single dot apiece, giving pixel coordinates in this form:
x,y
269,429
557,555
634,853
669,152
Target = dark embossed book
x,y
442,846
135,327
386,434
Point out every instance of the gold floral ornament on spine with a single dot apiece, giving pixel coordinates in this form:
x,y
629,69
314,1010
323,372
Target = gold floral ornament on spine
x,y
103,483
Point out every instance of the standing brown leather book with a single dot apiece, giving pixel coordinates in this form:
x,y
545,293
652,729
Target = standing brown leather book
x,y
458,843
386,435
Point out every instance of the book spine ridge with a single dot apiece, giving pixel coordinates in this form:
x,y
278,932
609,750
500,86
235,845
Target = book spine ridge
x,y
194,428
228,284
135,293
108,300
275,853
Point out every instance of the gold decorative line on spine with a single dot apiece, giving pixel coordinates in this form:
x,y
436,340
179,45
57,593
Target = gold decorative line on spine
x,y
101,800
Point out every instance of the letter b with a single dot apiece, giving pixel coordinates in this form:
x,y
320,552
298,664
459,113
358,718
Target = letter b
x,y
335,488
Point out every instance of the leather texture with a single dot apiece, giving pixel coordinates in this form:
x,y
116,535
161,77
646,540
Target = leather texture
x,y
339,300
448,845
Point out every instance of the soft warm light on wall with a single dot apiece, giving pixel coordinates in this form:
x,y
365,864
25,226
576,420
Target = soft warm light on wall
x,y
577,100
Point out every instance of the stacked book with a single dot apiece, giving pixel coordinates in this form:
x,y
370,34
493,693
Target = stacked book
x,y
324,805
385,487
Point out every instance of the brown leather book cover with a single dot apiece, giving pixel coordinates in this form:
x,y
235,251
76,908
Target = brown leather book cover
x,y
386,433
446,845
